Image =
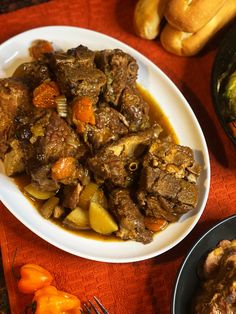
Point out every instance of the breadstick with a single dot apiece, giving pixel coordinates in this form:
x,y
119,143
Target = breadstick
x,y
147,17
191,15
188,44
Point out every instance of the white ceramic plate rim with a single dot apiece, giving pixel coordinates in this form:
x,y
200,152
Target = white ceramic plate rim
x,y
15,51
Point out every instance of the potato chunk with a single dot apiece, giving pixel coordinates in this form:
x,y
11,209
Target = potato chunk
x,y
101,220
78,218
40,195
87,194
48,207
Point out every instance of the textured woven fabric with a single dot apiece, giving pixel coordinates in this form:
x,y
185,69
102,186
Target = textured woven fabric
x,y
141,287
12,5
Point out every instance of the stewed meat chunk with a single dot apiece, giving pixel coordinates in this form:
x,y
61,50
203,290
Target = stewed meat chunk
x,y
44,140
50,138
135,109
120,69
14,159
60,140
14,99
76,73
32,73
110,126
130,219
71,195
166,188
114,164
41,176
83,56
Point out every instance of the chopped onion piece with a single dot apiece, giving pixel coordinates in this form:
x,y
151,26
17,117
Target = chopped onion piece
x,y
61,106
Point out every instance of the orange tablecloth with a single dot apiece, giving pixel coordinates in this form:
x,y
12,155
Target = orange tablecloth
x,y
142,287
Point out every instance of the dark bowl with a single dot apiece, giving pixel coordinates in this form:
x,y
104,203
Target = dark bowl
x,y
187,280
224,65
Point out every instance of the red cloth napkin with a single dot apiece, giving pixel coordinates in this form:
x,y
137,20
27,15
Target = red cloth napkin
x,y
141,287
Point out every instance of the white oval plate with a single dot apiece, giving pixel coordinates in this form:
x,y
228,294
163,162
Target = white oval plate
x,y
15,51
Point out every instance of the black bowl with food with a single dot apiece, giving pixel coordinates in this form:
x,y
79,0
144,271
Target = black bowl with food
x,y
224,84
190,277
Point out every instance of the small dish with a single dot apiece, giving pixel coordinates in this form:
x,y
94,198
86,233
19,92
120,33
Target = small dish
x,y
224,64
187,280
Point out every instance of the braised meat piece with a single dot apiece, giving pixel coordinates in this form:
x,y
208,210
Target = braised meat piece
x,y
60,140
76,73
167,184
120,69
217,291
130,220
14,99
110,126
14,159
44,140
173,158
114,164
41,176
135,109
50,137
32,73
71,195
83,55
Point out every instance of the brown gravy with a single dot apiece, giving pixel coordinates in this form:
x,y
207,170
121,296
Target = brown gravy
x,y
157,115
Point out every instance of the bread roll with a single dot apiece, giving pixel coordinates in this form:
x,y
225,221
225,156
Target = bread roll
x,y
147,17
188,44
189,16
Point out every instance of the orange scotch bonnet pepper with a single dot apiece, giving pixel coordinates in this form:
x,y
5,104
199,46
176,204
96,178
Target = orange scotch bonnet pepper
x,y
49,300
33,277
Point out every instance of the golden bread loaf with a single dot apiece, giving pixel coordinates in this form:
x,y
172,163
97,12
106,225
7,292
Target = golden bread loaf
x,y
191,15
188,44
147,17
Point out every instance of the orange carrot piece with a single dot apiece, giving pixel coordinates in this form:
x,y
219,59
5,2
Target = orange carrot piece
x,y
80,127
83,110
40,47
44,95
155,224
63,168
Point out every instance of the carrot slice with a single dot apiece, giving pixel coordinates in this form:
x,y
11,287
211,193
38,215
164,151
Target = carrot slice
x,y
155,224
44,95
83,110
39,48
63,168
